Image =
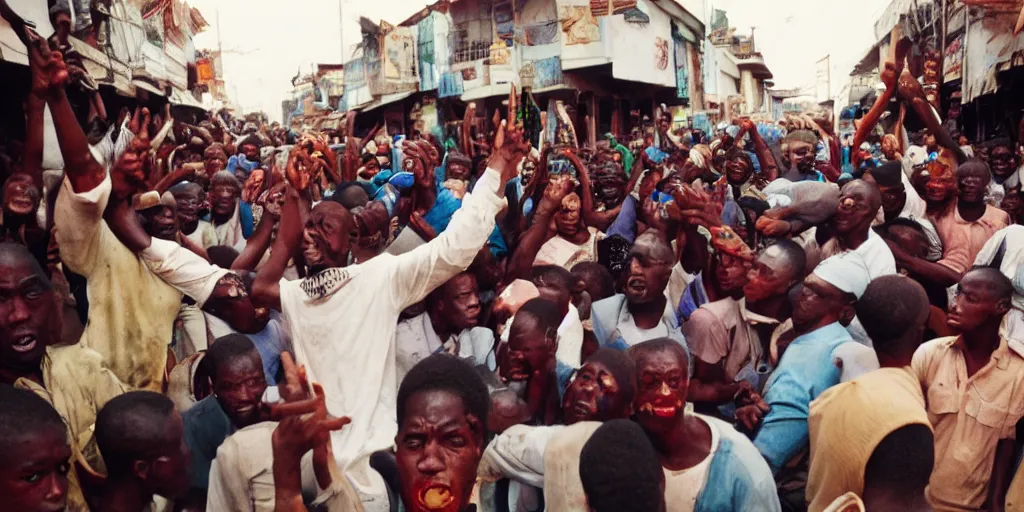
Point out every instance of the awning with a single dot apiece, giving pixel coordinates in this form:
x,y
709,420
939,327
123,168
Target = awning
x,y
11,49
96,62
146,86
386,99
183,99
870,62
485,91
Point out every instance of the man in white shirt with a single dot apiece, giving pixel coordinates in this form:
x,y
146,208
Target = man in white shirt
x,y
354,358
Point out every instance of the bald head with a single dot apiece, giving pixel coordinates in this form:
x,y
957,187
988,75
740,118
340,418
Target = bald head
x,y
655,245
785,255
868,190
17,256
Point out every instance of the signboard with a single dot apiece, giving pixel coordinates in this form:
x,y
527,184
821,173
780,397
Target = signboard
x,y
953,60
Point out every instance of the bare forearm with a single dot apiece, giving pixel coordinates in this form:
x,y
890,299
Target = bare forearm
x,y
871,120
266,288
769,168
534,237
33,164
255,247
80,167
124,223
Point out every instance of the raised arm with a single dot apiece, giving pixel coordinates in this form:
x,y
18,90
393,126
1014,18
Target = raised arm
x,y
416,273
540,231
911,91
266,289
769,168
600,220
260,240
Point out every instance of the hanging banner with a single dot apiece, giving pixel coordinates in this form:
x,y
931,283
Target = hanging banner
x,y
578,24
953,60
450,85
548,72
682,69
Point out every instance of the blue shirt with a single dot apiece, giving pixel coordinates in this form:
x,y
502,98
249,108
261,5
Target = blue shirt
x,y
206,426
805,371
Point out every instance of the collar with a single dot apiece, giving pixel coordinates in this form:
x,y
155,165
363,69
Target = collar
x,y
985,219
752,318
668,317
832,331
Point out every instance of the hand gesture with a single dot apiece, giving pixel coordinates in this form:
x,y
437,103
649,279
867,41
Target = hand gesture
x,y
275,201
890,75
746,124
49,73
750,416
128,175
558,187
299,169
768,226
510,145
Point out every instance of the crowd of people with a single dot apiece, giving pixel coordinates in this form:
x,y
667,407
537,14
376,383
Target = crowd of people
x,y
764,318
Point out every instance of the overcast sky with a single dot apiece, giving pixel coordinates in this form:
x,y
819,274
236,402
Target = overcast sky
x,y
267,41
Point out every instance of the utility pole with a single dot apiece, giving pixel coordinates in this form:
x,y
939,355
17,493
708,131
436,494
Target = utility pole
x,y
341,28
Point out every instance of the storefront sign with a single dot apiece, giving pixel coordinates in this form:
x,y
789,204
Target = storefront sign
x,y
953,60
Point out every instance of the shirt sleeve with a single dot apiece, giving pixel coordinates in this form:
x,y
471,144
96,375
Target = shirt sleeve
x,y
79,221
182,269
706,336
414,274
517,454
227,490
784,430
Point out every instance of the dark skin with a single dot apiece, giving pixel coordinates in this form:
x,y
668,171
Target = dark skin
x,y
34,472
458,308
1002,162
189,202
595,395
165,474
647,276
238,385
29,319
531,358
976,313
223,200
682,441
972,184
820,304
858,203
439,447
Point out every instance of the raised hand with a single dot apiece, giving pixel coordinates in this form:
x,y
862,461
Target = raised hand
x,y
510,144
49,72
299,169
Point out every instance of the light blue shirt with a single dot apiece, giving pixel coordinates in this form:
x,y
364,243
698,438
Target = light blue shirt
x,y
806,370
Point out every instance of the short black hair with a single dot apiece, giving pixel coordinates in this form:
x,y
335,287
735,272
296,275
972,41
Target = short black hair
x,y
621,366
975,165
23,413
222,255
660,345
442,372
889,307
906,223
543,311
1002,287
227,348
902,462
349,194
620,470
597,279
553,274
794,255
131,427
11,253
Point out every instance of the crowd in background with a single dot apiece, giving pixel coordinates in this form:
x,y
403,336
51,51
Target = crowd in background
x,y
237,315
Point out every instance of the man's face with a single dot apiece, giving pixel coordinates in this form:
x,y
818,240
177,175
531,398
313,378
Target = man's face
x,y
231,302
661,394
461,306
29,315
551,291
769,276
568,220
972,185
214,165
188,207
224,198
1001,162
801,154
974,304
855,211
239,387
34,475
251,152
817,300
737,170
648,272
893,199
325,239
169,470
609,185
457,171
160,222
21,195
930,142
369,169
529,169
1013,203
593,396
730,271
439,447
940,188
529,349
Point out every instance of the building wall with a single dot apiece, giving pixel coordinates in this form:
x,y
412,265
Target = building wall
x,y
635,51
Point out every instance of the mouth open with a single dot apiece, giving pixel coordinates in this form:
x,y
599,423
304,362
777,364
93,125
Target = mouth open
x,y
636,285
24,343
661,411
582,408
436,497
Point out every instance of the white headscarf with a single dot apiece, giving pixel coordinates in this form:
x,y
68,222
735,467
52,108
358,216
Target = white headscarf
x,y
846,271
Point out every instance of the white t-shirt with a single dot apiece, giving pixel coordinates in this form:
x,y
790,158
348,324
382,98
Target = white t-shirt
x,y
344,321
683,487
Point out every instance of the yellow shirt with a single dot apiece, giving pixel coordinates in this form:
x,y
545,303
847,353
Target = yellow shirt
x,y
131,310
970,417
77,385
847,422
